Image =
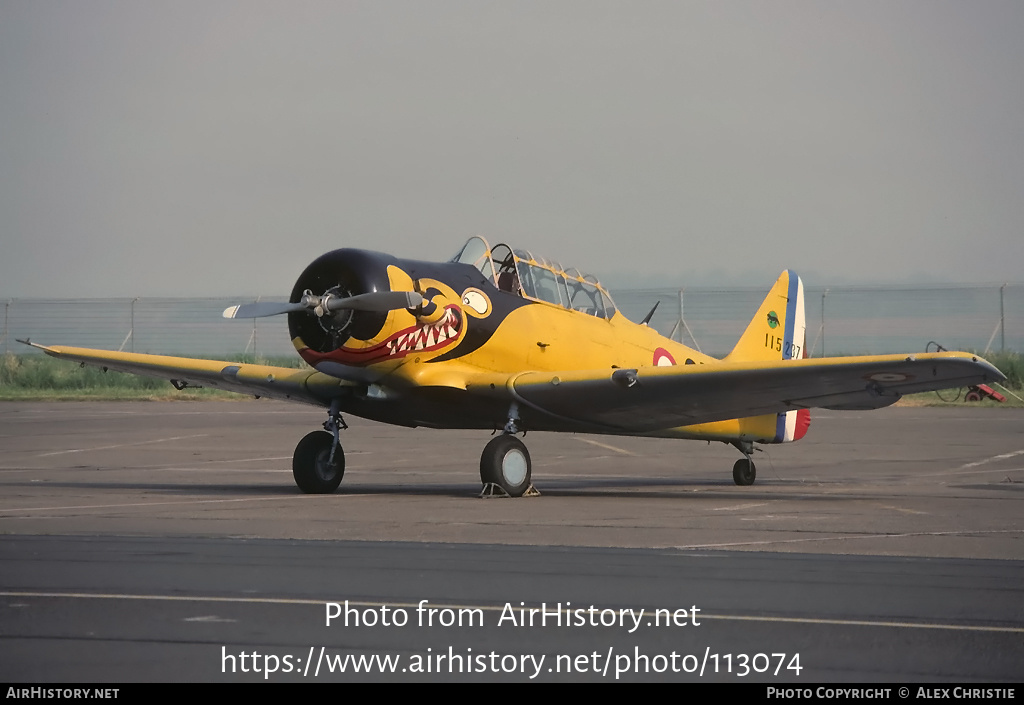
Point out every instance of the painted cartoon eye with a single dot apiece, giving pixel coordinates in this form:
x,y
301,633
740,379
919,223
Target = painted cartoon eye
x,y
476,300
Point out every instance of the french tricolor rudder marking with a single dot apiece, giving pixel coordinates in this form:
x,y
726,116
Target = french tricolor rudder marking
x,y
792,425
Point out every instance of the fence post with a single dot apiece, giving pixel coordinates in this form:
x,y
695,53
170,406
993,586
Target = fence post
x,y
682,318
255,354
7,305
1002,319
131,328
823,295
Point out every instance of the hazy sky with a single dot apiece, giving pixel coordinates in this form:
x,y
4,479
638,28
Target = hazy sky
x,y
208,148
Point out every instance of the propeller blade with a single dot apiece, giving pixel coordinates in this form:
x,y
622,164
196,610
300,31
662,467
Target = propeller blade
x,y
378,301
261,309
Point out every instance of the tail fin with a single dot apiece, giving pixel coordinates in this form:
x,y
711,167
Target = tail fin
x,y
778,331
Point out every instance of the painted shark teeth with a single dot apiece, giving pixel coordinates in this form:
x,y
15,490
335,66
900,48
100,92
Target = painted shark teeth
x,y
426,337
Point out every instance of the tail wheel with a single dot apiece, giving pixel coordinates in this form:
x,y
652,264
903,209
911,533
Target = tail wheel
x,y
744,472
505,462
972,396
312,468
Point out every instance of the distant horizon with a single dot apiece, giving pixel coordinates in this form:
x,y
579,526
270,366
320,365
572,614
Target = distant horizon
x,y
612,285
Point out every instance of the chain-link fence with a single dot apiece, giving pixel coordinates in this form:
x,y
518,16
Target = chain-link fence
x,y
846,320
840,321
192,327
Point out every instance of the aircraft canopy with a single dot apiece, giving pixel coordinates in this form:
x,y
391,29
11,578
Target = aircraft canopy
x,y
535,277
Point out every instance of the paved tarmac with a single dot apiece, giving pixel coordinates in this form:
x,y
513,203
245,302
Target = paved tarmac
x,y
148,541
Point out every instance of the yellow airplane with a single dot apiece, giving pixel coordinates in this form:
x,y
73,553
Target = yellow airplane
x,y
502,340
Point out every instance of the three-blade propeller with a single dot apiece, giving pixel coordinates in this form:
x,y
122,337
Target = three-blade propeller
x,y
326,304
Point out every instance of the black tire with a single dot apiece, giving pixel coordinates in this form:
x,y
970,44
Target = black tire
x,y
972,396
744,472
506,463
310,467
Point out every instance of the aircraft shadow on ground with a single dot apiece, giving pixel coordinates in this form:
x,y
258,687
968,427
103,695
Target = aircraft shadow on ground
x,y
618,487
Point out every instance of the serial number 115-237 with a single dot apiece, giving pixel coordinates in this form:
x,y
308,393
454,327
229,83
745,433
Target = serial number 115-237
x,y
786,347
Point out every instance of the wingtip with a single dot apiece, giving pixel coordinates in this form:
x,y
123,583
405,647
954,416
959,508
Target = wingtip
x,y
37,346
1000,376
230,312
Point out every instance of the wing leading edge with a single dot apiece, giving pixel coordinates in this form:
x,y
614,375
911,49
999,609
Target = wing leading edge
x,y
284,383
655,398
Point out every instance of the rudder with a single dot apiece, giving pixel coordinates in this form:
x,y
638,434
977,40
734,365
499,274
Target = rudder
x,y
778,331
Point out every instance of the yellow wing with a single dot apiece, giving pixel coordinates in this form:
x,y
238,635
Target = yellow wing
x,y
644,400
286,383
655,398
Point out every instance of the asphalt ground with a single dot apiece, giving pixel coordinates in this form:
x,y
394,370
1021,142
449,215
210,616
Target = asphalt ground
x,y
151,541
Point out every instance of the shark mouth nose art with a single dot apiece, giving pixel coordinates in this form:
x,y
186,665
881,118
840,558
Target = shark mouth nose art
x,y
425,338
414,339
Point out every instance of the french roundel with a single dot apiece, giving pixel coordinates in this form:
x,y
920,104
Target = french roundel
x,y
663,358
889,377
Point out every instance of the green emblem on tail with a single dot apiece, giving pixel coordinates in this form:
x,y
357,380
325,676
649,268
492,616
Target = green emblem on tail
x,y
773,319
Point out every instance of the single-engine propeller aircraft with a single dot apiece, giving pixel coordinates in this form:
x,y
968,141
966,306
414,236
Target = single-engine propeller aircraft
x,y
503,340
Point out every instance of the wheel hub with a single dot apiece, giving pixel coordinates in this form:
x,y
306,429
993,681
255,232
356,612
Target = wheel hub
x,y
325,469
513,467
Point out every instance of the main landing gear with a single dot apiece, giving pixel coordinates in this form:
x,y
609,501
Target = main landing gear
x,y
744,472
505,467
505,464
318,464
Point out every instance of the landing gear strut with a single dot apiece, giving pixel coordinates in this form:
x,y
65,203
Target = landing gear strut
x,y
744,472
318,464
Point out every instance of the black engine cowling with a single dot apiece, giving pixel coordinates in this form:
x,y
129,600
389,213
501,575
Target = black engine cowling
x,y
342,273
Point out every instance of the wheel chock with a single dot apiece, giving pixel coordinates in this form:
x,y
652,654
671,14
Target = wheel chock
x,y
493,490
